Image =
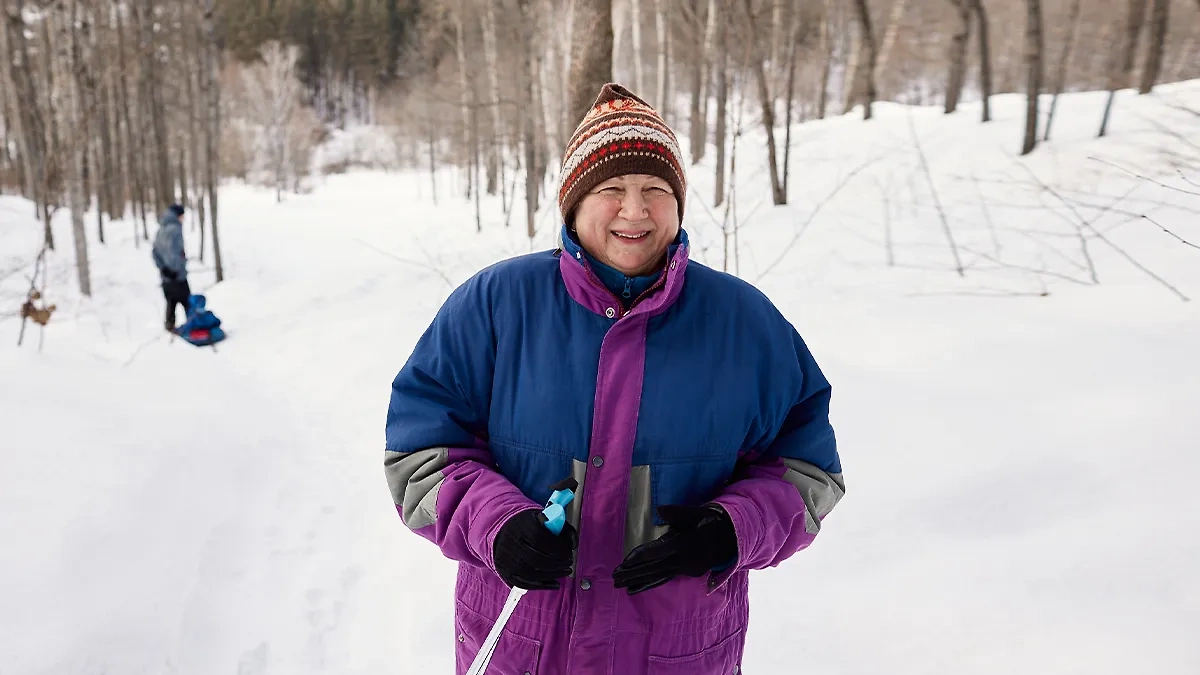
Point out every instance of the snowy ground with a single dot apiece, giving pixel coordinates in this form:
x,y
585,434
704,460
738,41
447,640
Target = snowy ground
x,y
1019,442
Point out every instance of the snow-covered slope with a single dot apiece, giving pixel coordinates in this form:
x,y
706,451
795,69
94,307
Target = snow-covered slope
x,y
1019,442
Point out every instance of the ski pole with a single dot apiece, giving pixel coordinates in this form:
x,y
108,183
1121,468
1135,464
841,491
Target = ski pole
x,y
556,517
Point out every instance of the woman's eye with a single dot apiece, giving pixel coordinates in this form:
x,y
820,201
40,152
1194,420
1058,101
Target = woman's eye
x,y
656,190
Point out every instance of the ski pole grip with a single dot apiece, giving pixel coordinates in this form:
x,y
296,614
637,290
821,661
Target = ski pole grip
x,y
555,511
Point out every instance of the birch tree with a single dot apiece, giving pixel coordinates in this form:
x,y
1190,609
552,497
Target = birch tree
x,y
1033,65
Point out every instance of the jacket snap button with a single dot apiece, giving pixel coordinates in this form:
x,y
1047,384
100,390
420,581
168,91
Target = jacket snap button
x,y
461,638
735,670
585,584
597,461
610,312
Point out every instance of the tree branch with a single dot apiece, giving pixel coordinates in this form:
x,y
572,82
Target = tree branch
x,y
1151,180
1181,239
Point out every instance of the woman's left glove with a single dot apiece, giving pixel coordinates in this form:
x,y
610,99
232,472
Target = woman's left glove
x,y
700,539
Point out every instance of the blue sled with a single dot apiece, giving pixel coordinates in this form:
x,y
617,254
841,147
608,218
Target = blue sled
x,y
202,327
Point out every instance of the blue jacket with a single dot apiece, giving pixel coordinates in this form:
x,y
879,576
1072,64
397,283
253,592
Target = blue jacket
x,y
168,254
702,392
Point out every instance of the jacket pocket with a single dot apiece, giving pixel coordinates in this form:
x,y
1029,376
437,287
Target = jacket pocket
x,y
514,655
720,659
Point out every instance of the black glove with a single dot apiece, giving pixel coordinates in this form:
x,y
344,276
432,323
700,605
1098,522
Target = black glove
x,y
529,556
700,538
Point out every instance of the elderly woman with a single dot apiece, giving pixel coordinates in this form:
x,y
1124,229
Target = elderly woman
x,y
686,407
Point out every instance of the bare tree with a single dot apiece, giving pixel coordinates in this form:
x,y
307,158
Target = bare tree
x,y
635,25
826,39
1123,59
591,55
985,57
212,94
275,97
528,119
1156,45
495,168
889,35
722,76
1060,76
958,55
778,190
868,56
1033,65
78,143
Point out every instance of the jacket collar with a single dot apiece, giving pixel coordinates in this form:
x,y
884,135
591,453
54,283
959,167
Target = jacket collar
x,y
587,290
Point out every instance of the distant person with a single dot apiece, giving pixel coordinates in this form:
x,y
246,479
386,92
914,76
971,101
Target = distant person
x,y
171,261
686,407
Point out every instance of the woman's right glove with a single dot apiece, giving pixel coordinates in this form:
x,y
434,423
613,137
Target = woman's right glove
x,y
528,555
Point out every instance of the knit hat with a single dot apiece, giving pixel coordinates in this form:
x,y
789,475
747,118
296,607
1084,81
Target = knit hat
x,y
621,134
176,209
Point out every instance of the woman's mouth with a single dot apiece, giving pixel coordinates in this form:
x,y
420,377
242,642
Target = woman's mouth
x,y
631,236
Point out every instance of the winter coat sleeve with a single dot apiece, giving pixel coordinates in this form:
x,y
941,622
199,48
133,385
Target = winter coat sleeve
x,y
443,480
779,496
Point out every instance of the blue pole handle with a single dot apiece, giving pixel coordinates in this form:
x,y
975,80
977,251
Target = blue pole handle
x,y
555,511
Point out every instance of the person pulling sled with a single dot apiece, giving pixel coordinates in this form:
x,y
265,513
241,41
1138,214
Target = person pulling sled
x,y
201,327
171,261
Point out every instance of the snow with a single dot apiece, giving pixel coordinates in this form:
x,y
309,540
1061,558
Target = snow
x,y
1019,448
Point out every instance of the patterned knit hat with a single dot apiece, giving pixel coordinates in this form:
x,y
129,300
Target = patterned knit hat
x,y
620,135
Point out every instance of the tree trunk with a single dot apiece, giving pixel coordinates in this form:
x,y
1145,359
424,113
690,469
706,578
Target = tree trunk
x,y
1064,60
1154,48
827,53
138,196
1121,72
958,56
660,25
33,136
74,87
985,58
635,25
889,35
793,49
722,75
152,81
213,127
868,55
701,73
1033,65
591,56
528,117
464,84
768,109
495,165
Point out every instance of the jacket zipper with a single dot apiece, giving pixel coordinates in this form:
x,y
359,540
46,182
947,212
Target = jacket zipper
x,y
624,312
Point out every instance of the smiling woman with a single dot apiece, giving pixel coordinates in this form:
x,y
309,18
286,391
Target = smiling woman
x,y
688,411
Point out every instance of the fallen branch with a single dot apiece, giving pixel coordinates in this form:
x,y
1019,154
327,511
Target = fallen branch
x,y
1181,239
1023,268
1106,240
937,202
406,261
812,216
40,316
1151,180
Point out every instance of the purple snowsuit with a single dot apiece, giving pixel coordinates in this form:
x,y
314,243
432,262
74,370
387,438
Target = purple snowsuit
x,y
700,393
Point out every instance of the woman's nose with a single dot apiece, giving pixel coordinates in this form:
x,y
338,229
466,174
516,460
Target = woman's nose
x,y
633,205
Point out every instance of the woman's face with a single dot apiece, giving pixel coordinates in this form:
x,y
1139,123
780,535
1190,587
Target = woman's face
x,y
627,222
